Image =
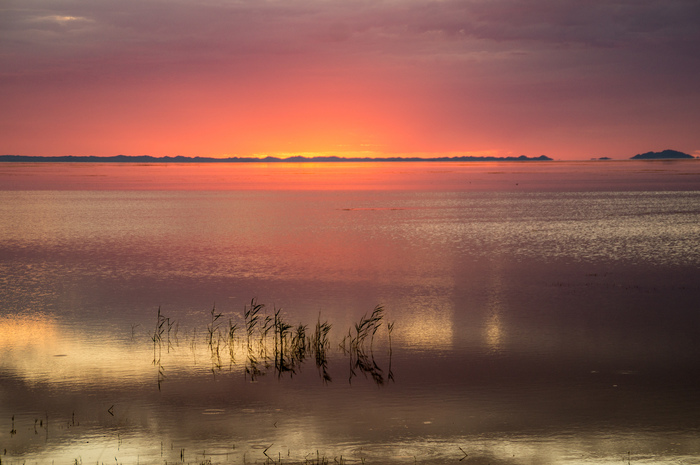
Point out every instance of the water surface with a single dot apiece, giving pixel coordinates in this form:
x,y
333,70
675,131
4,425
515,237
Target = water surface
x,y
542,313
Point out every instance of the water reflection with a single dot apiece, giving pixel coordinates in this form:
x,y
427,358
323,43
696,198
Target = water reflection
x,y
493,331
623,175
38,350
494,326
426,321
526,327
83,403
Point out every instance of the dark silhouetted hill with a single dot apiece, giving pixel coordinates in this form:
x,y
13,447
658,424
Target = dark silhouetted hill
x,y
296,159
665,155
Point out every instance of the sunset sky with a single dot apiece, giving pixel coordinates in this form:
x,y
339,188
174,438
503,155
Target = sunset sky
x,y
565,78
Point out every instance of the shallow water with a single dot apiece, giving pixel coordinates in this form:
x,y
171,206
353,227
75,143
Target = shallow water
x,y
542,313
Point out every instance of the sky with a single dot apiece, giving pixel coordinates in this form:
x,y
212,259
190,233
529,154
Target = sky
x,y
570,79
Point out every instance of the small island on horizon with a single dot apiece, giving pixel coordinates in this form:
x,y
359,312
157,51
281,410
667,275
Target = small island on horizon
x,y
663,155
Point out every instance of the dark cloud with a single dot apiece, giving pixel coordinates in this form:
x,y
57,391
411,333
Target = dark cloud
x,y
172,31
594,23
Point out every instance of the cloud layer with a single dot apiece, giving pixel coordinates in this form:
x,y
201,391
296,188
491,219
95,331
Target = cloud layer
x,y
566,78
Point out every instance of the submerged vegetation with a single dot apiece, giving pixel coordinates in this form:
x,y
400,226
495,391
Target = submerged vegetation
x,y
270,344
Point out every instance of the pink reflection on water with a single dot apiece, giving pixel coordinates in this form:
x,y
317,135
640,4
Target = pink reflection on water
x,y
429,176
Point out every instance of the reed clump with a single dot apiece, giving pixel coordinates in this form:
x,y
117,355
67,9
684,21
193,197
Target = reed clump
x,y
272,343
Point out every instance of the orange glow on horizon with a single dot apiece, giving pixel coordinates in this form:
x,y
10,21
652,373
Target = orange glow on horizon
x,y
367,175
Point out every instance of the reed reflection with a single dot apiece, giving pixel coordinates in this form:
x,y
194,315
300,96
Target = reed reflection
x,y
362,358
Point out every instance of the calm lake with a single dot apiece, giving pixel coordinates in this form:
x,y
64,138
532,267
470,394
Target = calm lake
x,y
526,313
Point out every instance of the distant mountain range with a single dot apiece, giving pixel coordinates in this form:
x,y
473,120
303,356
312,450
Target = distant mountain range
x,y
298,159
665,155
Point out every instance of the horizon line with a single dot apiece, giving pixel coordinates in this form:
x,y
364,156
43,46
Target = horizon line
x,y
267,159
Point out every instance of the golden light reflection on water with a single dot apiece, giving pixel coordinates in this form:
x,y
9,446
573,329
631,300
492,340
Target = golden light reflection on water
x,y
289,446
38,350
494,331
18,333
426,323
